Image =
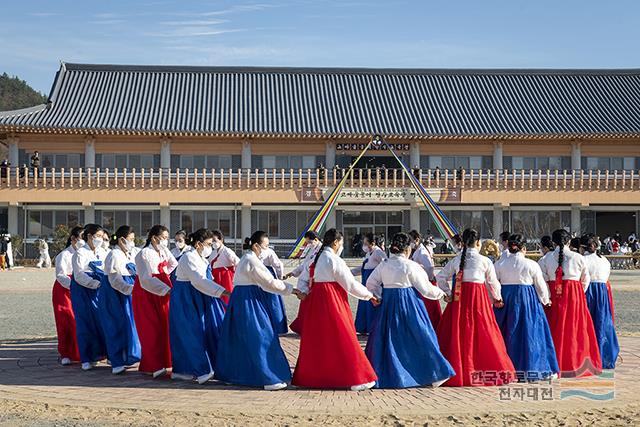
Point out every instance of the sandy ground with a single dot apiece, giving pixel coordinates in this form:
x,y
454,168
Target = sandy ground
x,y
35,414
25,314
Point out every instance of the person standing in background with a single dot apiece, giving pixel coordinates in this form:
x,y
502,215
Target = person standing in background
x,y
44,259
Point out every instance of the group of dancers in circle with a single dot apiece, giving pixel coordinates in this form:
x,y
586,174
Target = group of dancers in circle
x,y
204,313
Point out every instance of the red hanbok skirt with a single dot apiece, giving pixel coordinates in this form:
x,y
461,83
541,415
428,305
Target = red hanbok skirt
x,y
151,314
296,325
224,277
65,322
471,341
572,330
434,310
330,354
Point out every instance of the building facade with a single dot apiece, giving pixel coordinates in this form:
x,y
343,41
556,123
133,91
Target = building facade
x,y
241,148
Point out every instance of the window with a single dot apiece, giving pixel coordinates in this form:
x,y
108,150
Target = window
x,y
64,160
455,162
537,163
533,224
190,221
129,161
480,220
608,163
44,222
268,221
293,161
140,221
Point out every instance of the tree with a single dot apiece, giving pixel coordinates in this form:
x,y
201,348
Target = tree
x,y
16,93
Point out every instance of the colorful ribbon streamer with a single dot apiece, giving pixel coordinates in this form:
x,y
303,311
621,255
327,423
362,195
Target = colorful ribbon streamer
x,y
445,227
318,220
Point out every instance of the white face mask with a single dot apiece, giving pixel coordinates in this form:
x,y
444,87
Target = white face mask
x,y
180,244
79,243
105,244
217,244
412,245
129,245
206,251
97,242
365,248
164,243
340,250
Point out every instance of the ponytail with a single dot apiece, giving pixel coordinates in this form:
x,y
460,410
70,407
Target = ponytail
x,y
122,232
330,236
156,230
560,238
469,238
256,238
515,243
591,243
75,232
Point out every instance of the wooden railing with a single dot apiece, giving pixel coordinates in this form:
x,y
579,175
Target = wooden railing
x,y
254,179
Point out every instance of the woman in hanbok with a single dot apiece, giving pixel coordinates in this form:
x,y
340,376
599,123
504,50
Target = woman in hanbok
x,y
598,301
273,302
311,247
422,255
330,354
61,298
114,301
249,348
569,320
468,334
88,270
180,240
154,264
196,314
402,346
223,263
374,255
522,320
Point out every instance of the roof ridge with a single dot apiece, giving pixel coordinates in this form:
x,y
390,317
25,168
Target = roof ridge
x,y
349,70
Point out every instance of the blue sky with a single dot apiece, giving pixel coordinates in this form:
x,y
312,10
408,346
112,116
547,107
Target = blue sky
x,y
36,34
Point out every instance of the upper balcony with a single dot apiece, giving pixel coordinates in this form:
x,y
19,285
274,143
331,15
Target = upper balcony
x,y
296,179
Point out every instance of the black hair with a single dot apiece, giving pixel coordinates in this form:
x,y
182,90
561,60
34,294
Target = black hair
x,y
330,236
591,243
181,233
156,230
504,236
256,238
91,229
469,237
546,242
574,244
200,235
515,243
122,232
106,234
373,239
456,239
415,235
75,232
218,234
560,237
311,235
399,243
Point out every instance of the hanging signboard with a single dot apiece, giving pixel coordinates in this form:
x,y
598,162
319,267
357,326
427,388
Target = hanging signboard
x,y
367,195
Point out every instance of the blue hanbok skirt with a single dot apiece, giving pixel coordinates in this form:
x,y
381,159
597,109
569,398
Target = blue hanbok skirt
x,y
84,301
250,352
195,323
365,311
118,325
600,308
274,305
403,347
526,333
